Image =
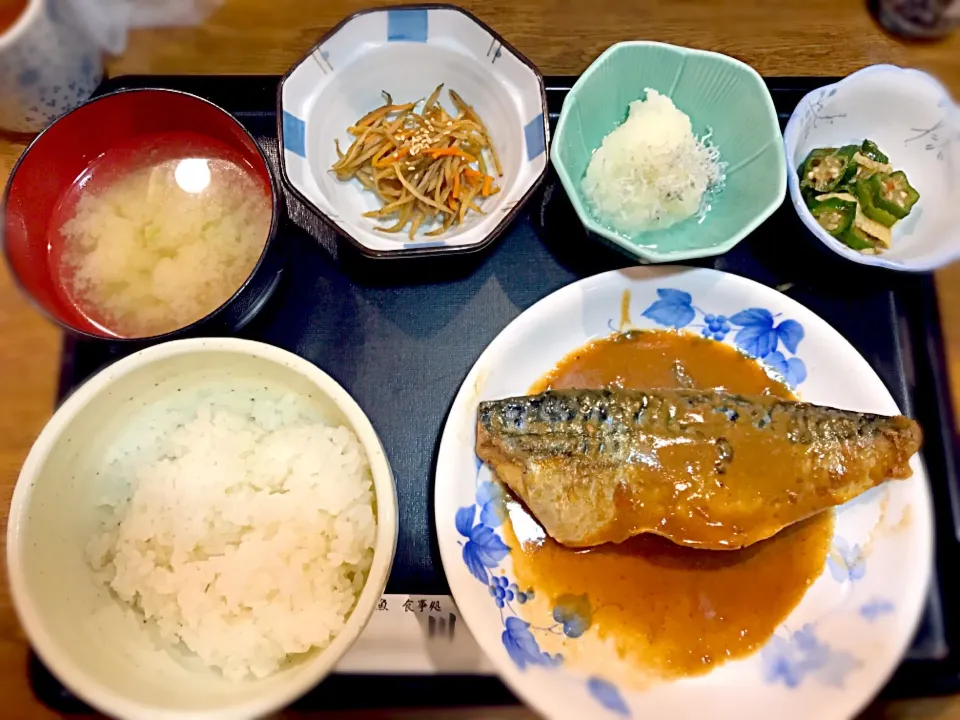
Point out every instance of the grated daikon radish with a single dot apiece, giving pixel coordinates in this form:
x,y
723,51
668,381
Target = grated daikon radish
x,y
651,172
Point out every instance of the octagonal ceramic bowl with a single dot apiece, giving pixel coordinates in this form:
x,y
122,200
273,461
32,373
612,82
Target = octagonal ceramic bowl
x,y
723,97
913,119
407,51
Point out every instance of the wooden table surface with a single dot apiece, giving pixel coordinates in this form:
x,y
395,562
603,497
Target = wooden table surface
x,y
777,37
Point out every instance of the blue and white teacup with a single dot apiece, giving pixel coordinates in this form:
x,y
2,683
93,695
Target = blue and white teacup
x,y
48,66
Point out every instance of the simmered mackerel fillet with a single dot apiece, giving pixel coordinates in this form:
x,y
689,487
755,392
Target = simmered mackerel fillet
x,y
701,468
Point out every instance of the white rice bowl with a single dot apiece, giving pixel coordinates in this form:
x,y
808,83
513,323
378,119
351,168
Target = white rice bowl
x,y
214,516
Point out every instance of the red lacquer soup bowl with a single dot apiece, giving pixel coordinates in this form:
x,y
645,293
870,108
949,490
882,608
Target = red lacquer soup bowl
x,y
106,137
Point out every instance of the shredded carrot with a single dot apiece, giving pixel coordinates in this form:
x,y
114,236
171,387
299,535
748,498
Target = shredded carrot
x,y
373,116
455,151
379,154
426,166
390,159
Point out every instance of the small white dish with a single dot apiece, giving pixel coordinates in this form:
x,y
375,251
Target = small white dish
x,y
407,51
100,652
914,121
837,647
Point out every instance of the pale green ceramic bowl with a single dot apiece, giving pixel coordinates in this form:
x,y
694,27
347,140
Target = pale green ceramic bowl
x,y
719,94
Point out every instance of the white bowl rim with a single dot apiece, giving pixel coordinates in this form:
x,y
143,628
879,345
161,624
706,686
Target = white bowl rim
x,y
47,647
593,226
482,242
789,138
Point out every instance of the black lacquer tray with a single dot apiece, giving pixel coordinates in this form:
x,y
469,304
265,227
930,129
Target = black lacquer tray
x,y
401,336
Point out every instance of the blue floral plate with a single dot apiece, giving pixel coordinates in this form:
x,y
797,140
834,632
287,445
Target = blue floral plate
x,y
839,645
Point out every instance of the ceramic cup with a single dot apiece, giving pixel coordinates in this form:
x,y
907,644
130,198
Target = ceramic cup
x,y
48,65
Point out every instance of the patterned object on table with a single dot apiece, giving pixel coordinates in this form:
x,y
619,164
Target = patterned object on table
x,y
48,66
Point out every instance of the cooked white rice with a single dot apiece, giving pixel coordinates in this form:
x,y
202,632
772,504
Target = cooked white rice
x,y
246,535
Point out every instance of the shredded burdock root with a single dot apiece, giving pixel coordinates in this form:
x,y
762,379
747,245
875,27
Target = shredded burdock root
x,y
425,165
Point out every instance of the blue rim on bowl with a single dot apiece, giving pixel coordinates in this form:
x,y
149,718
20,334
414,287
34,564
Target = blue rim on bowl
x,y
308,121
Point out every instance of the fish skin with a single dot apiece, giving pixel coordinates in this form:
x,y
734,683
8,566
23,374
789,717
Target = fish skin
x,y
703,469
